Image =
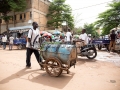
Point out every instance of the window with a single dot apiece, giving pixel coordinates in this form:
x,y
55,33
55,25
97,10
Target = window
x,y
20,16
14,17
30,14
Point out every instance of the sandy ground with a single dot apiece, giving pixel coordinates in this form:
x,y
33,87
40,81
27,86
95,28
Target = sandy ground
x,y
87,75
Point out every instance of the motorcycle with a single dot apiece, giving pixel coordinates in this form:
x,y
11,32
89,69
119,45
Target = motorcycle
x,y
88,50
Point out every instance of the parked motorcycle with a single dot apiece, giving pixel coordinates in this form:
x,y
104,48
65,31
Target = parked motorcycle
x,y
88,50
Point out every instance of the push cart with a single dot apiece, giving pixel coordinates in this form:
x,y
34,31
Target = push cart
x,y
58,57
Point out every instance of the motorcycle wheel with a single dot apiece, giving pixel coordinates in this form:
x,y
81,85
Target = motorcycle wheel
x,y
94,53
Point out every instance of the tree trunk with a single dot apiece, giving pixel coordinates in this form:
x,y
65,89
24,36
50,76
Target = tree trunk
x,y
7,22
0,25
7,28
14,18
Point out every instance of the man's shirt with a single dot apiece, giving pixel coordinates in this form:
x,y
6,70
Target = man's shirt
x,y
84,37
32,35
11,40
112,37
68,35
4,39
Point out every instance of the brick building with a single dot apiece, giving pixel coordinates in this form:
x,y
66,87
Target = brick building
x,y
36,11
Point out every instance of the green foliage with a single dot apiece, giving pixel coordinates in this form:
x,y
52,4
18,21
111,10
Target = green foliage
x,y
106,29
7,6
77,30
110,18
90,29
17,5
59,12
6,18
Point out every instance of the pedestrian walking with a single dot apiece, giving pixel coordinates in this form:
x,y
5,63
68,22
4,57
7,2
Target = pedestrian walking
x,y
112,40
0,40
68,37
11,38
32,45
4,41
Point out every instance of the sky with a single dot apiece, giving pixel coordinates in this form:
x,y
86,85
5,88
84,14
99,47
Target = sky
x,y
86,11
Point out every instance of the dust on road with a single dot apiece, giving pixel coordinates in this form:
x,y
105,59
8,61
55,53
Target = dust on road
x,y
98,74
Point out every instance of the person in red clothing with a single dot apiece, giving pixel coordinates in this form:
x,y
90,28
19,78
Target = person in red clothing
x,y
112,40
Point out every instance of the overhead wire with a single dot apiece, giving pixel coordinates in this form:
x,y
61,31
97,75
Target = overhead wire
x,y
91,6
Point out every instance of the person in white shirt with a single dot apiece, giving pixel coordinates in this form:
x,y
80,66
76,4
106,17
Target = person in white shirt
x,y
84,37
4,40
11,38
32,45
83,40
68,37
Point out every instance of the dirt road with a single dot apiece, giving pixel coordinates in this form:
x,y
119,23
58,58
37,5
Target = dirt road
x,y
87,75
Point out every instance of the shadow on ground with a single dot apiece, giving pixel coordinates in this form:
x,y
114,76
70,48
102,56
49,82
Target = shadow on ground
x,y
82,60
40,77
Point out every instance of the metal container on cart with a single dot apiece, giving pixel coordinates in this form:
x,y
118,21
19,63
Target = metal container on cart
x,y
58,57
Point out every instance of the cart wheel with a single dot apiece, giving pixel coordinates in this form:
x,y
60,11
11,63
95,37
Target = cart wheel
x,y
53,67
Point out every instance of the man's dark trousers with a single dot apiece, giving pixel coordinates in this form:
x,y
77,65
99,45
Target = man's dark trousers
x,y
29,53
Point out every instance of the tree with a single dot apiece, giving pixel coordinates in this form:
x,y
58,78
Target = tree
x,y
6,6
59,12
90,29
77,30
110,18
16,6
76,19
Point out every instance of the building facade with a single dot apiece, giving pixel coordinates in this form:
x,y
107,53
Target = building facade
x,y
36,11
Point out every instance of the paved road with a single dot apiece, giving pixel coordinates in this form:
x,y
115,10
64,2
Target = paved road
x,y
109,57
102,73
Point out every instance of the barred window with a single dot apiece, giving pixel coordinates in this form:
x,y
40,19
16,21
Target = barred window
x,y
14,17
20,16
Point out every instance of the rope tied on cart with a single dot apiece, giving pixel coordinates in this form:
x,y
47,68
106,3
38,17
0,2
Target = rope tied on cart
x,y
35,40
